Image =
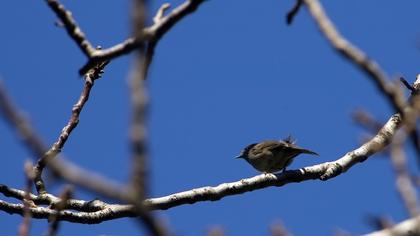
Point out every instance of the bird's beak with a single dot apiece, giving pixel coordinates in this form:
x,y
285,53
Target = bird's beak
x,y
239,156
309,152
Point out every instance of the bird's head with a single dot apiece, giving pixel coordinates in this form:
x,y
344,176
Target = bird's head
x,y
244,153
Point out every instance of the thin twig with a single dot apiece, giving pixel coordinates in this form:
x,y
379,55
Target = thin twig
x,y
71,27
61,168
321,171
294,11
151,45
148,57
55,149
149,34
407,85
160,13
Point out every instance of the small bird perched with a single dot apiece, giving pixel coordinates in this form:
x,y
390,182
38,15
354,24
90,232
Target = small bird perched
x,y
272,155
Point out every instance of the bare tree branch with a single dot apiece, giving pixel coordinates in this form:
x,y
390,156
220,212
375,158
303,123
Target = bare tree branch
x,y
139,174
151,45
109,213
355,55
151,34
138,186
145,40
408,85
55,149
322,171
64,169
370,67
71,27
293,12
52,201
161,12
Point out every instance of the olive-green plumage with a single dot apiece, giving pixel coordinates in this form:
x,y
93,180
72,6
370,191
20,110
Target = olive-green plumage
x,y
272,156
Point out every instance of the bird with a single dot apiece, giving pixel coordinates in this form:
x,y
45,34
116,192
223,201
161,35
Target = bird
x,y
271,156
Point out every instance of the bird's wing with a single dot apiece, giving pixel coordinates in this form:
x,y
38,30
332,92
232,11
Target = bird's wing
x,y
269,146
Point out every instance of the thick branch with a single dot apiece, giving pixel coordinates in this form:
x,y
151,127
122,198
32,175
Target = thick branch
x,y
52,201
322,171
109,213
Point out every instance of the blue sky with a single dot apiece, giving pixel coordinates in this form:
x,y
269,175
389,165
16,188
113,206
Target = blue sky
x,y
231,74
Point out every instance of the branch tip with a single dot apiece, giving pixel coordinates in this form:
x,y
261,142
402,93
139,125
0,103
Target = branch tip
x,y
293,12
407,85
160,13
